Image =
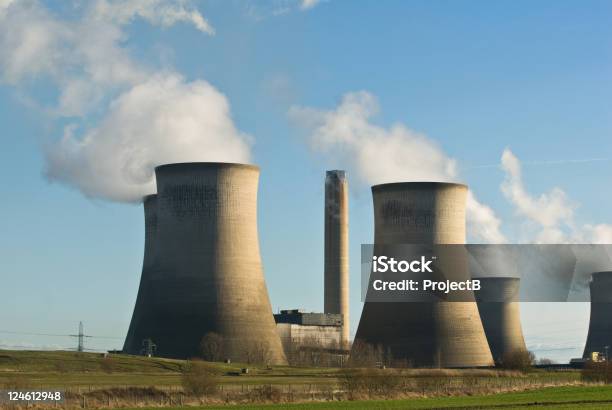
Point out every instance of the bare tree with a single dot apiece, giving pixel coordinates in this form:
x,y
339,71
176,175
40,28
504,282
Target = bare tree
x,y
518,360
366,355
212,347
545,361
258,352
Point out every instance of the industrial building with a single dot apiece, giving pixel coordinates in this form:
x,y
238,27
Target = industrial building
x,y
328,330
297,328
424,334
205,275
500,314
599,338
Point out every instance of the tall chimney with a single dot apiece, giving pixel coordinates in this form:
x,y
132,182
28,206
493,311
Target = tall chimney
x,y
336,293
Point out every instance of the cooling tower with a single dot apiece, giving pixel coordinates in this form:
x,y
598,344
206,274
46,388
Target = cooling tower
x,y
599,338
336,249
207,274
140,319
443,334
500,314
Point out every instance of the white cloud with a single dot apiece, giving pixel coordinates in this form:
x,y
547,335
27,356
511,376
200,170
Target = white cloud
x,y
162,120
30,41
259,11
600,233
162,13
308,4
375,154
85,57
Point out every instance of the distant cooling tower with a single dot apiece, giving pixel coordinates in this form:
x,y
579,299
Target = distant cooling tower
x,y
499,311
444,334
207,274
599,338
336,249
141,320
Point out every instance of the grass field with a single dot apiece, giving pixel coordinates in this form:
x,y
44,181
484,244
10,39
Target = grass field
x,y
124,381
68,369
571,397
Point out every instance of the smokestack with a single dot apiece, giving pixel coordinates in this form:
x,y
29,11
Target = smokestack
x,y
336,293
141,319
599,338
500,314
442,334
207,275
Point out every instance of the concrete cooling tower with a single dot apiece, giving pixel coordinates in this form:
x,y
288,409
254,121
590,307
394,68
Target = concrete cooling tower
x,y
133,342
206,275
500,314
442,334
599,338
336,293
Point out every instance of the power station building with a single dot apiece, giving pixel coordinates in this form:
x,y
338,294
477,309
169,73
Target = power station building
x,y
328,330
424,334
297,328
205,274
336,273
599,339
500,314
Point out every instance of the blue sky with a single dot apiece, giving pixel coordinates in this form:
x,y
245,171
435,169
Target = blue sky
x,y
473,77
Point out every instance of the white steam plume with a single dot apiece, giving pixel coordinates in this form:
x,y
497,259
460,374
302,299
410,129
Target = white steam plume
x,y
379,155
160,121
551,214
154,116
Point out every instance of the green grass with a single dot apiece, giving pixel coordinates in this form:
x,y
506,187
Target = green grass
x,y
91,371
57,368
570,397
68,369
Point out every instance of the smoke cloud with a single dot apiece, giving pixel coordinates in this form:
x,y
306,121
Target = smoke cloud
x,y
379,155
150,116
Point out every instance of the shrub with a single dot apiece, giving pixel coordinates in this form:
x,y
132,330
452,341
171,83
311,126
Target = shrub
x,y
265,393
545,361
369,383
366,355
597,372
258,352
199,380
518,360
